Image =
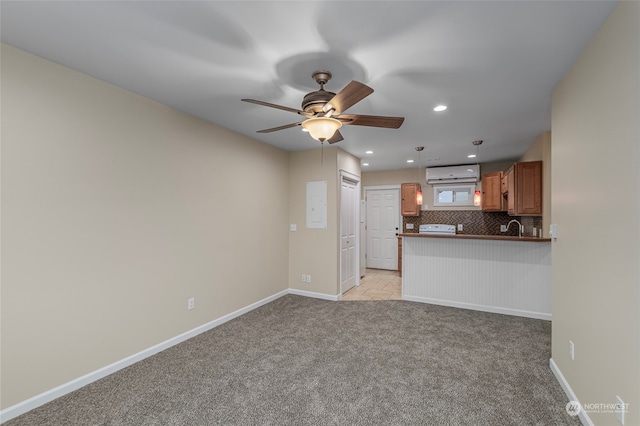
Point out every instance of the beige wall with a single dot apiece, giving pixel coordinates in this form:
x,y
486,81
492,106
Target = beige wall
x,y
397,177
115,210
596,172
315,251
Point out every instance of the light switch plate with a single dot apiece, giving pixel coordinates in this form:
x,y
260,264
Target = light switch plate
x,y
409,225
553,230
293,227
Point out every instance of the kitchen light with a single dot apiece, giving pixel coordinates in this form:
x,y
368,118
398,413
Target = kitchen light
x,y
321,128
471,156
477,200
440,108
365,164
369,152
409,161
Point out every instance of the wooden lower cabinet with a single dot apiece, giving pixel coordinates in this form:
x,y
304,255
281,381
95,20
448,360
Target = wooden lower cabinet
x,y
399,256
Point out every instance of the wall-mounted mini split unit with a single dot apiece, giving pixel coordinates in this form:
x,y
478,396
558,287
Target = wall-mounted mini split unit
x,y
453,174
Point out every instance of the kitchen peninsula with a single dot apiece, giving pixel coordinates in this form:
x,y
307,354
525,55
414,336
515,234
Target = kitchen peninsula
x,y
492,273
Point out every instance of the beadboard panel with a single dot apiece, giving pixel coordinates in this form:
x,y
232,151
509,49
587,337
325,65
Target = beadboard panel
x,y
509,277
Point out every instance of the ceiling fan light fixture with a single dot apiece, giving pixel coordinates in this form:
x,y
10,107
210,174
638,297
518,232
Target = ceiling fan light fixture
x,y
321,128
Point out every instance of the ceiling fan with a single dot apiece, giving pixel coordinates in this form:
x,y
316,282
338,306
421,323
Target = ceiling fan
x,y
324,110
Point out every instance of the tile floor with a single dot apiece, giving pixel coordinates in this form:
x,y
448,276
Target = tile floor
x,y
377,284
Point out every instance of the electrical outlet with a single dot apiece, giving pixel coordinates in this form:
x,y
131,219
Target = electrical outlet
x,y
535,232
571,350
308,278
459,227
409,225
620,409
191,303
304,278
503,228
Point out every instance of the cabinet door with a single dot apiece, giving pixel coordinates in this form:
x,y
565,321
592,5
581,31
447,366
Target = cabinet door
x,y
491,192
410,205
511,191
504,184
400,256
529,188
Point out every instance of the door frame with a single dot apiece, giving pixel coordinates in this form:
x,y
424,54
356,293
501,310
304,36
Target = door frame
x,y
354,180
383,187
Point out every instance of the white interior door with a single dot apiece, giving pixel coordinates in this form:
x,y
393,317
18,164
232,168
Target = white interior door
x,y
348,233
383,222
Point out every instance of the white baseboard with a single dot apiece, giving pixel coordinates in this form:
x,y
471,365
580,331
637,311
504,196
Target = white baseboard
x,y
483,308
584,417
41,399
315,295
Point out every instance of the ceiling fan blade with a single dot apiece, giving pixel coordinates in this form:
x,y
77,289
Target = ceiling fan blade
x,y
371,120
284,108
275,129
352,93
337,137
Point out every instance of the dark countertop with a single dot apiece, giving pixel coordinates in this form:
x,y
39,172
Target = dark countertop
x,y
479,237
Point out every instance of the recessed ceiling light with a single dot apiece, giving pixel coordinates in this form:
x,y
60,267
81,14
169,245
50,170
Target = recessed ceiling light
x,y
409,161
369,152
440,108
365,164
471,156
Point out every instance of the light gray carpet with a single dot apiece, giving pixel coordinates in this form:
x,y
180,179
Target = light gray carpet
x,y
302,361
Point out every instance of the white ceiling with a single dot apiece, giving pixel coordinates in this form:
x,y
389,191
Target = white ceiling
x,y
494,64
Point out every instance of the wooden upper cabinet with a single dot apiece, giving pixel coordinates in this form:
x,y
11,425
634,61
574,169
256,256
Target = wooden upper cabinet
x,y
528,188
492,200
504,183
409,192
510,195
524,189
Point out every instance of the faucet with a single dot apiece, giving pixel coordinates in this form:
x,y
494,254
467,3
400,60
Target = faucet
x,y
519,226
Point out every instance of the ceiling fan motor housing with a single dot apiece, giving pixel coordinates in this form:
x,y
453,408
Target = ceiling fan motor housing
x,y
314,101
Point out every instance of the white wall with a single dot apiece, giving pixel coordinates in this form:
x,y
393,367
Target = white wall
x,y
596,172
115,210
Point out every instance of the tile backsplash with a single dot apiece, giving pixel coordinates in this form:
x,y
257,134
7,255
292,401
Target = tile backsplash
x,y
474,222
